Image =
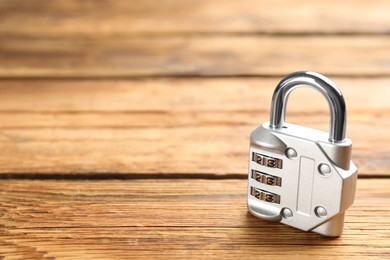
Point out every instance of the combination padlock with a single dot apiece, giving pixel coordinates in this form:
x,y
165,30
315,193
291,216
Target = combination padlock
x,y
300,176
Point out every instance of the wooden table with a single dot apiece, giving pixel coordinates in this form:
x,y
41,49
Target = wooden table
x,y
125,124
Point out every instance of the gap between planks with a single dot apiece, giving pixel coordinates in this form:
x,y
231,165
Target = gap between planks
x,y
133,176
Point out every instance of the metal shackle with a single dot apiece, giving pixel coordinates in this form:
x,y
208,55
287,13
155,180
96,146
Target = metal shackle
x,y
319,82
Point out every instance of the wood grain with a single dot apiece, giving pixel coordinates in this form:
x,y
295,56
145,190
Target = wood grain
x,y
192,16
128,56
173,218
176,95
121,137
172,150
106,127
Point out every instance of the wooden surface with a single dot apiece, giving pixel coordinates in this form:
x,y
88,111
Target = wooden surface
x,y
174,218
124,126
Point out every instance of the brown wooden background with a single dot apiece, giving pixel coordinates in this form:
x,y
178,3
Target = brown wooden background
x,y
124,124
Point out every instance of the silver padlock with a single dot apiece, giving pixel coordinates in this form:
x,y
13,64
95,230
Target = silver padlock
x,y
300,176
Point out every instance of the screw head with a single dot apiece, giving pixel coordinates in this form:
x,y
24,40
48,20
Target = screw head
x,y
291,153
324,169
287,213
320,212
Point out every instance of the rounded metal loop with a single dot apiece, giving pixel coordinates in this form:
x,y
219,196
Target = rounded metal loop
x,y
322,84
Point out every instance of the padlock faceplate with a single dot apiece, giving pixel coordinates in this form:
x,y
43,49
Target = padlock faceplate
x,y
308,197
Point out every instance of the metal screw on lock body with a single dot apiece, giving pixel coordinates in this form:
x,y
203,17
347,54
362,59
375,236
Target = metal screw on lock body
x,y
322,84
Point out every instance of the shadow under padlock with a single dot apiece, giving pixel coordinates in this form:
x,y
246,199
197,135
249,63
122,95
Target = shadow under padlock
x,y
300,176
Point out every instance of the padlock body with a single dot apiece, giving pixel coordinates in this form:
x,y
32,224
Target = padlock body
x,y
297,177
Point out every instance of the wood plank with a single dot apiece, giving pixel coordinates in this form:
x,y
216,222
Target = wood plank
x,y
127,56
167,150
173,218
192,16
106,127
178,95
